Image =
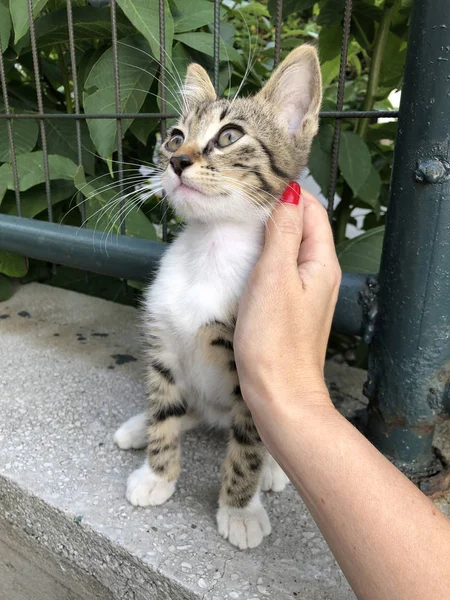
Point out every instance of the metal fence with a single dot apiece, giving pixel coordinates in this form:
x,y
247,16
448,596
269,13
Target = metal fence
x,y
410,356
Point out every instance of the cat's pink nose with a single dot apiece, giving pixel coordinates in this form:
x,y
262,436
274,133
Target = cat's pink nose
x,y
180,162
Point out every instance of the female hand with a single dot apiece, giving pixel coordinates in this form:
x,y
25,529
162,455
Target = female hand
x,y
285,314
388,538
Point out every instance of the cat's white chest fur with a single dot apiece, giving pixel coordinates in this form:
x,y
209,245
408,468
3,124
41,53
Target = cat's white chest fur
x,y
202,275
201,278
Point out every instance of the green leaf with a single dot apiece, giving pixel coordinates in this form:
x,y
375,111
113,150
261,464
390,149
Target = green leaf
x,y
330,70
354,160
330,40
363,253
392,70
319,159
290,6
3,188
136,70
370,190
25,137
6,289
193,14
13,265
181,59
88,24
331,12
142,128
19,15
102,212
5,27
382,131
204,42
34,201
30,167
88,60
62,140
144,14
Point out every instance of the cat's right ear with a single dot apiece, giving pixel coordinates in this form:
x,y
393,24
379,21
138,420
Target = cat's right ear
x,y
198,87
295,90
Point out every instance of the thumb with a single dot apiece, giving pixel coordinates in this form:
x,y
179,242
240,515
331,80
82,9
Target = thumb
x,y
285,226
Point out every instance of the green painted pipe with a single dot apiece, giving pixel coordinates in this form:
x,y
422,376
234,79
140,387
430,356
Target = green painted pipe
x,y
115,255
132,258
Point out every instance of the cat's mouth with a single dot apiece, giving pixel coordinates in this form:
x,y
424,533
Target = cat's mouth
x,y
188,187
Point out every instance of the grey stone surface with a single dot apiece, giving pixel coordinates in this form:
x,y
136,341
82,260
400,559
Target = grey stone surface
x,y
70,374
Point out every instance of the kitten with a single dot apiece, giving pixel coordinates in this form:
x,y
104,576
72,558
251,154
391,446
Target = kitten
x,y
226,165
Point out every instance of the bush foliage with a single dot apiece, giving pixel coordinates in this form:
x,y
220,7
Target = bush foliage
x,y
374,69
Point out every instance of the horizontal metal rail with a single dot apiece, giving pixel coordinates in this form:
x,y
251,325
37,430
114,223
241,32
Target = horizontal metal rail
x,y
132,258
115,255
329,114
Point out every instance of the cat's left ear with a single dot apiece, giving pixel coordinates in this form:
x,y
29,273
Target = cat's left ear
x,y
295,89
198,87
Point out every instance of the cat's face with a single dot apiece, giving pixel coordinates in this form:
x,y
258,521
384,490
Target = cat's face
x,y
231,160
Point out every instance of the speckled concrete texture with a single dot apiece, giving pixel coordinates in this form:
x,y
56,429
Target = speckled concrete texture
x,y
70,374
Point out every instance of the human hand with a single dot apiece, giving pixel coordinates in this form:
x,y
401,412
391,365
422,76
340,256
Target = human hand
x,y
285,313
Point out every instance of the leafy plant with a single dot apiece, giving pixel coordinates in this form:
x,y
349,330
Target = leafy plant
x,y
376,55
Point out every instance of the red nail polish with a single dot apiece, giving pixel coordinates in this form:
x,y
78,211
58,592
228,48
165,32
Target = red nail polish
x,y
291,194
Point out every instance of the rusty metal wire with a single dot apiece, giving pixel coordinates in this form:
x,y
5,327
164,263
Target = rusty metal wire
x,y
40,102
278,23
339,106
162,58
12,150
76,98
216,44
327,114
115,52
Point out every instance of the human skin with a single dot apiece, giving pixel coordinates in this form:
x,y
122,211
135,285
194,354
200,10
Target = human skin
x,y
389,539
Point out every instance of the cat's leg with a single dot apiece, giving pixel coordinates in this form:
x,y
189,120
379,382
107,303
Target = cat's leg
x,y
154,482
241,517
273,478
133,433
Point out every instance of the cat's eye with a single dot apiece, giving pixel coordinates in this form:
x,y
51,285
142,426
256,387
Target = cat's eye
x,y
228,137
175,142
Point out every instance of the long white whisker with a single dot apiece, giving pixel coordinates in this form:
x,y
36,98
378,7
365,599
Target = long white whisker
x,y
177,82
117,199
135,89
125,211
249,61
159,62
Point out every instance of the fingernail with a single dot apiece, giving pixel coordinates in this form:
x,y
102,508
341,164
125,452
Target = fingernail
x,y
291,194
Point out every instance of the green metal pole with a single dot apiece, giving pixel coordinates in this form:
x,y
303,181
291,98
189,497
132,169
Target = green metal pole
x,y
409,368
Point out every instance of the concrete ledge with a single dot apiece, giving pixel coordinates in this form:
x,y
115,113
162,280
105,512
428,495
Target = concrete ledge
x,y
70,374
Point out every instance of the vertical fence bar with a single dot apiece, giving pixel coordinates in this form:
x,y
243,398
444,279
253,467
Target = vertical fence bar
x,y
278,22
216,44
118,110
409,368
40,102
76,98
162,57
339,106
9,127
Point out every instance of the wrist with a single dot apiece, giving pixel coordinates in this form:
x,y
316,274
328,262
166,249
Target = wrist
x,y
307,394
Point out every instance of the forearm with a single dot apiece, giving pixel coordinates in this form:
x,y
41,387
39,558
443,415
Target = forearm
x,y
389,539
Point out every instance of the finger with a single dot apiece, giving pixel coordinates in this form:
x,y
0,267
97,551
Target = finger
x,y
317,243
285,226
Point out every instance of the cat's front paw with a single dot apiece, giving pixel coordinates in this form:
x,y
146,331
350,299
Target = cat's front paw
x,y
273,478
145,488
133,433
244,527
